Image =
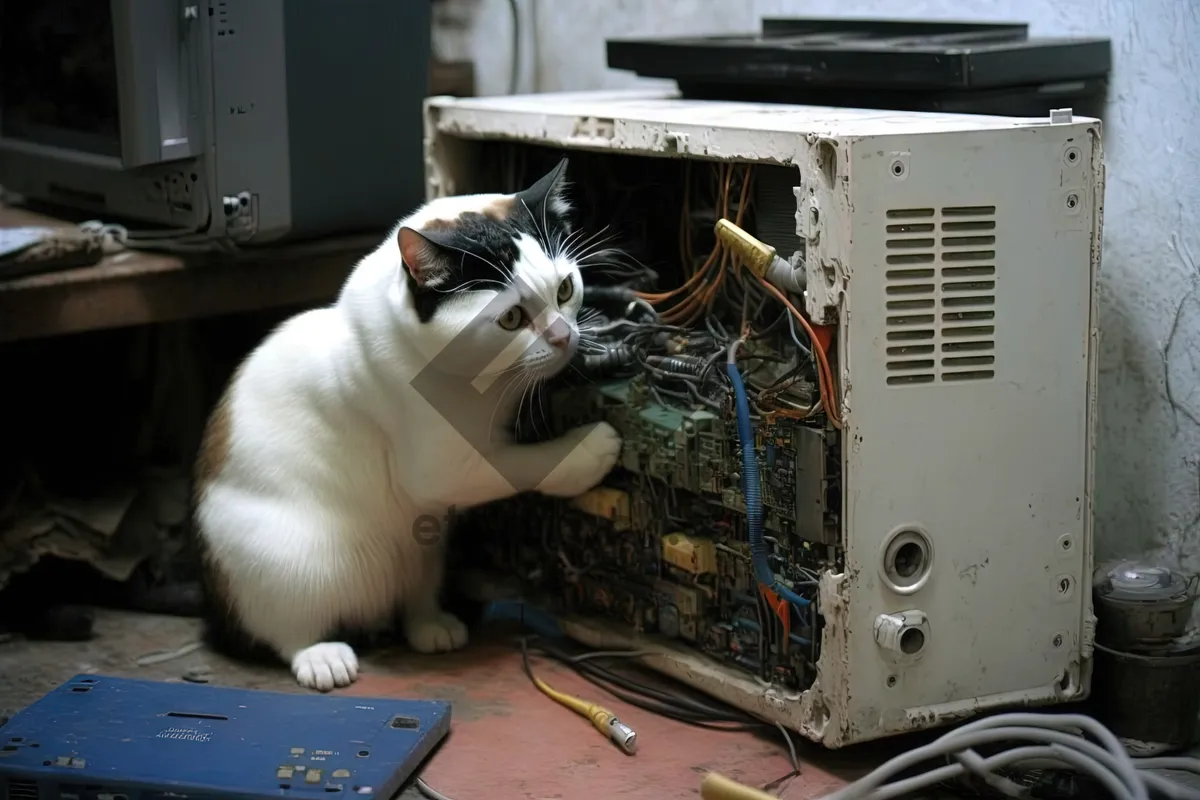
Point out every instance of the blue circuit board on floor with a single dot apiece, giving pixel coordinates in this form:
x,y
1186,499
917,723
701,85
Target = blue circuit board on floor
x,y
102,738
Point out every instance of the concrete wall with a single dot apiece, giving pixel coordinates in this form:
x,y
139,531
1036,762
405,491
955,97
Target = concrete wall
x,y
1148,482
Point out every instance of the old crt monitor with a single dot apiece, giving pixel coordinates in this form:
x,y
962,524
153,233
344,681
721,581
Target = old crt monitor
x,y
250,122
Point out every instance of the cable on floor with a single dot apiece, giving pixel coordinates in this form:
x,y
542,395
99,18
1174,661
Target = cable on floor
x,y
428,791
671,702
1057,740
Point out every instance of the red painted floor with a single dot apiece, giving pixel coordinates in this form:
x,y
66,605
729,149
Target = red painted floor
x,y
509,741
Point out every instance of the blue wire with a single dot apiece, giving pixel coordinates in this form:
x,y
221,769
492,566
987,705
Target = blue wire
x,y
752,491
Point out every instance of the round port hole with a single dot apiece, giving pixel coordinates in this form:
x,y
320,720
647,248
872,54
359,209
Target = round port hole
x,y
911,641
908,559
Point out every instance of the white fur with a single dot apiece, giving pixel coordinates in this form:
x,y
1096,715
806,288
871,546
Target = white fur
x,y
333,457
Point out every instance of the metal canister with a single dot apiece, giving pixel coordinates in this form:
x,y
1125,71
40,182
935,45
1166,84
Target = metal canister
x,y
1141,605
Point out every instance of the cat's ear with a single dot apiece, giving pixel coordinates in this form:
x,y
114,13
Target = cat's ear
x,y
551,190
427,262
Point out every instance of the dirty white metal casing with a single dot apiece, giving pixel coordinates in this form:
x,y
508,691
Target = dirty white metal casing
x,y
958,256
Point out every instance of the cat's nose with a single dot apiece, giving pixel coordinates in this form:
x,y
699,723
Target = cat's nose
x,y
558,333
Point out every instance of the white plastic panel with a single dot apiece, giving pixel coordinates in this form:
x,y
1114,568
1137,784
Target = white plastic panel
x,y
968,344
986,452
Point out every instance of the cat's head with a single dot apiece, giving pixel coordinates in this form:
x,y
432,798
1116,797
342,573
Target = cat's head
x,y
491,282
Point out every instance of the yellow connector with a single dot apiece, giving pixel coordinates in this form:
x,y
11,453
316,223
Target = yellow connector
x,y
756,255
718,787
601,718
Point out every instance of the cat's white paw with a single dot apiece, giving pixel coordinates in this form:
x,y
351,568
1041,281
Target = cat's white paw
x,y
598,448
325,666
440,633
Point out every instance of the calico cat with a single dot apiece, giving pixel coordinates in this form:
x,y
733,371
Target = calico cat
x,y
352,430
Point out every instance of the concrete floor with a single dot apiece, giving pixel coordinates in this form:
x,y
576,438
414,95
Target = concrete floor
x,y
507,741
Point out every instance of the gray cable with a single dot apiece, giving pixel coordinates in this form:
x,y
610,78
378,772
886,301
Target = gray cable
x,y
1180,763
1059,743
962,739
430,792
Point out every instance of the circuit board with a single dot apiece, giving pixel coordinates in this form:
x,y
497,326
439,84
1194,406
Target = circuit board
x,y
662,545
688,360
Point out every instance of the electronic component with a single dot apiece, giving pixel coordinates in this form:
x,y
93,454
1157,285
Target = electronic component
x,y
807,326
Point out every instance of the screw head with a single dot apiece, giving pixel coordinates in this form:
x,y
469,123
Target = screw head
x,y
1058,640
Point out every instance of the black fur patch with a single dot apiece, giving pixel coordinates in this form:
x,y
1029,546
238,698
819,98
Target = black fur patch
x,y
481,247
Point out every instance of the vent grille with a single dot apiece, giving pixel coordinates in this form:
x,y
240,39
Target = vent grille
x,y
941,295
22,790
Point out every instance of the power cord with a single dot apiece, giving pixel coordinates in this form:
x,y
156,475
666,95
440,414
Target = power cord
x,y
428,791
1054,740
116,238
601,718
673,703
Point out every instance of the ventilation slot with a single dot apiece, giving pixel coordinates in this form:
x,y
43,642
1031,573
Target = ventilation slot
x,y
22,790
940,295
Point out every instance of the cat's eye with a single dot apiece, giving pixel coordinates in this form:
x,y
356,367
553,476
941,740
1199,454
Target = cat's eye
x,y
565,290
512,319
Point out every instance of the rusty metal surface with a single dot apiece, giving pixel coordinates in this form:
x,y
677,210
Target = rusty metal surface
x,y
136,288
508,740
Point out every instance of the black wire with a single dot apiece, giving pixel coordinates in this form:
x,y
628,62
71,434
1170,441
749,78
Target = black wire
x,y
638,695
660,701
716,328
807,351
627,682
770,329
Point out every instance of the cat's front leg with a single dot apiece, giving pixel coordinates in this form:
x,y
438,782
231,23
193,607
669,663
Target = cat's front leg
x,y
427,627
564,467
580,459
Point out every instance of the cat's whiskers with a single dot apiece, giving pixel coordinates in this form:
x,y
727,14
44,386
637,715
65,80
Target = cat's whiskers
x,y
563,250
529,380
540,397
582,374
538,232
592,237
506,273
468,286
507,386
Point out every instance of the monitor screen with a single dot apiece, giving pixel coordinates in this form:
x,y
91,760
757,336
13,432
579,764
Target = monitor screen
x,y
58,74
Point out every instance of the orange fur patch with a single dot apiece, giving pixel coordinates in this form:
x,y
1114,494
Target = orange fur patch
x,y
499,210
214,446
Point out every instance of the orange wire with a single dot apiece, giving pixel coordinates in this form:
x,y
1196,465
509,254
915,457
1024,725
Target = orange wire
x,y
689,310
685,241
697,277
825,375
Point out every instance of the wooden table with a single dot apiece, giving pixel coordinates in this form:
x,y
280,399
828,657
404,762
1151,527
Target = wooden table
x,y
136,288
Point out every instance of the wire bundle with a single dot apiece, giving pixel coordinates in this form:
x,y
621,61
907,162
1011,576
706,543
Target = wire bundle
x,y
1064,741
702,286
672,702
696,299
